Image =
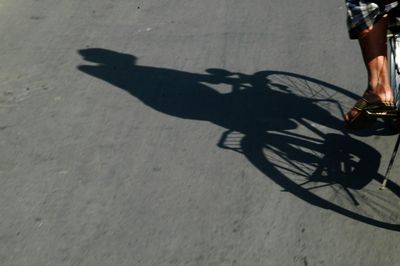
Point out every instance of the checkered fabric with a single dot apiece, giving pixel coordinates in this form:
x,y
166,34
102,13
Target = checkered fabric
x,y
362,14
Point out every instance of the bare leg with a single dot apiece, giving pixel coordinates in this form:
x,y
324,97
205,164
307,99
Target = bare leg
x,y
374,50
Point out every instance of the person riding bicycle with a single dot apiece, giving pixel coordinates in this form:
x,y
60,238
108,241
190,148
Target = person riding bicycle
x,y
368,21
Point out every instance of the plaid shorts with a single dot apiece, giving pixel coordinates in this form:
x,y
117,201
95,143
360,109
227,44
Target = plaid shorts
x,y
362,14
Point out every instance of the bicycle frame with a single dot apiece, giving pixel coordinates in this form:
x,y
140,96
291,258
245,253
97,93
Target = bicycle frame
x,y
394,62
393,40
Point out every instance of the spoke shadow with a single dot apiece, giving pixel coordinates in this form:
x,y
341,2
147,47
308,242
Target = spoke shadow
x,y
262,115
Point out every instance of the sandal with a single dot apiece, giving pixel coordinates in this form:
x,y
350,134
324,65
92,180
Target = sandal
x,y
381,110
367,112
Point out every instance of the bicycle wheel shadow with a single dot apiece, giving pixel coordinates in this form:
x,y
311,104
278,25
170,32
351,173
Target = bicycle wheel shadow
x,y
262,115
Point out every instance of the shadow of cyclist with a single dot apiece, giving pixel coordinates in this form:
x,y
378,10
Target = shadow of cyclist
x,y
262,112
185,95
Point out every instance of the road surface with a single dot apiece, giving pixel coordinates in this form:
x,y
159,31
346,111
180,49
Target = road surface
x,y
188,133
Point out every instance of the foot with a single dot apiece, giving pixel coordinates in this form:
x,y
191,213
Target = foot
x,y
378,95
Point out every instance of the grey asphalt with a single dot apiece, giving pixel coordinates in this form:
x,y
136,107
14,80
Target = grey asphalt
x,y
188,133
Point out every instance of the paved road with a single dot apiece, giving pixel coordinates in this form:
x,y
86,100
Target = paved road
x,y
187,133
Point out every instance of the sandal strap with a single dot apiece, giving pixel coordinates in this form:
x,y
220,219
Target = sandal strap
x,y
361,104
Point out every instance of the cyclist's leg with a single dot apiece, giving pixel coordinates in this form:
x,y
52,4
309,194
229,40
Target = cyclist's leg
x,y
374,50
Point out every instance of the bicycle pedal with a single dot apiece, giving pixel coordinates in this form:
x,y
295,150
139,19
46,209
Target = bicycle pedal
x,y
383,114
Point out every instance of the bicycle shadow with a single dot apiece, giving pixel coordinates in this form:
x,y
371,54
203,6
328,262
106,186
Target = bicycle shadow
x,y
261,114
